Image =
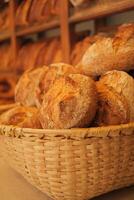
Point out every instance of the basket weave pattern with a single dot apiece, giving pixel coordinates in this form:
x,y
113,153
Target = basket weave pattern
x,y
73,164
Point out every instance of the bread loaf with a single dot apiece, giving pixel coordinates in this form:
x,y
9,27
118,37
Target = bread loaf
x,y
23,12
110,53
70,102
81,47
25,117
116,98
40,10
26,89
55,71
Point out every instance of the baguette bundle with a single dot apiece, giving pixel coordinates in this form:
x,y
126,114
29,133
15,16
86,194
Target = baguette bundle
x,y
40,53
31,11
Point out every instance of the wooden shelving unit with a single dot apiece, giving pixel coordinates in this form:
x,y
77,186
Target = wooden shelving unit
x,y
102,8
96,9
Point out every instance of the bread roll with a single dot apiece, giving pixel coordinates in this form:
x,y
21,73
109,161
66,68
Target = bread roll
x,y
70,102
116,98
81,47
26,89
25,117
110,53
55,71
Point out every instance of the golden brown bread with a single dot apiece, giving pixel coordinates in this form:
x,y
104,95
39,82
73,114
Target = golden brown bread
x,y
40,10
51,50
26,89
70,102
116,98
4,18
55,71
25,117
23,12
110,53
81,47
58,57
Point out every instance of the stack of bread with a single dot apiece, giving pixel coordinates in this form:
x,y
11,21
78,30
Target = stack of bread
x,y
96,92
39,53
31,11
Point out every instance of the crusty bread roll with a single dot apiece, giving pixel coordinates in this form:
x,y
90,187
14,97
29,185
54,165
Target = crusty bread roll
x,y
25,117
116,98
26,89
80,48
110,53
70,102
55,71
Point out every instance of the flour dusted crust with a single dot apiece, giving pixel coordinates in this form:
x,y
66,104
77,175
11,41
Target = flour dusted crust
x,y
55,71
110,53
81,47
26,89
25,117
70,102
116,98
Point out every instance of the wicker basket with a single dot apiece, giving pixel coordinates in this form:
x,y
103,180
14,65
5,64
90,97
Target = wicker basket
x,y
74,164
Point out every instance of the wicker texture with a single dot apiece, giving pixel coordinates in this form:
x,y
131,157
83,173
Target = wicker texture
x,y
74,164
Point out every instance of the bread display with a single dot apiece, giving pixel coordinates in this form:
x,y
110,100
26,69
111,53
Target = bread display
x,y
116,98
48,79
110,53
25,92
22,12
32,11
40,10
70,102
24,117
40,53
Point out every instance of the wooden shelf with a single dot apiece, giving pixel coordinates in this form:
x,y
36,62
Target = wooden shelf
x,y
101,8
36,28
4,35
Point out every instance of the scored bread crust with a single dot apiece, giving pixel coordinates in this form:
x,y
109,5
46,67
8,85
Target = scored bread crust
x,y
116,98
81,47
26,89
25,117
110,53
55,71
70,102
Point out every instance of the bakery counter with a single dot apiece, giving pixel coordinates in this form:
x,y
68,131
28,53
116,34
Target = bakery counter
x,y
14,187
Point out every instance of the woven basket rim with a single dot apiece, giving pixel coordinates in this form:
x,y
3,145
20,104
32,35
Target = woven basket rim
x,y
74,133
